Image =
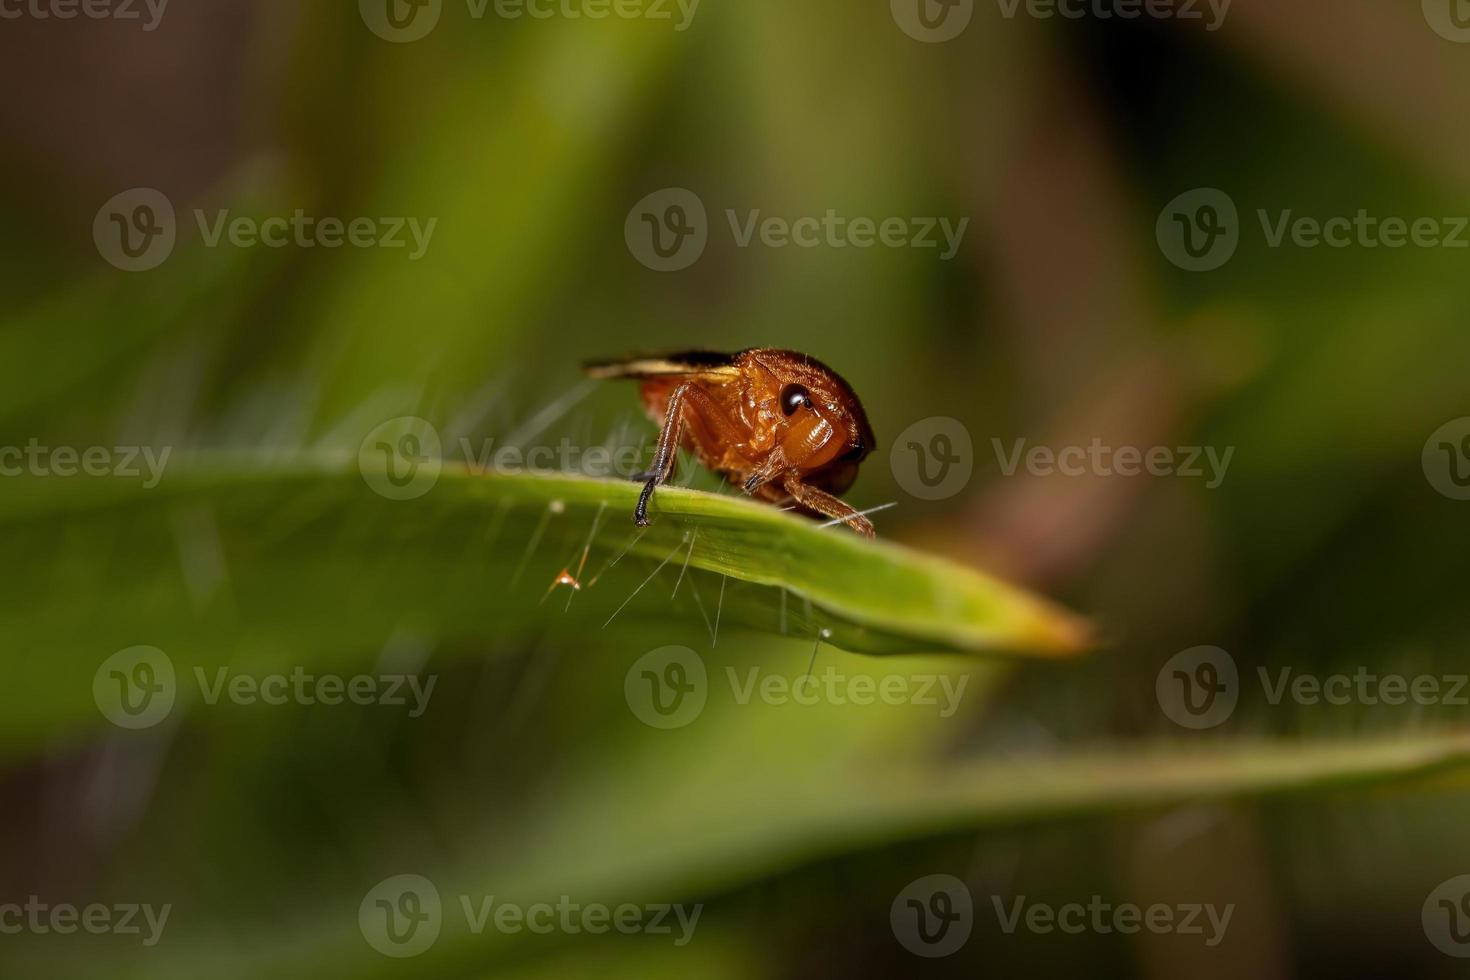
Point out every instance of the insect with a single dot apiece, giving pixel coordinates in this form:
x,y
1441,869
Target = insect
x,y
775,423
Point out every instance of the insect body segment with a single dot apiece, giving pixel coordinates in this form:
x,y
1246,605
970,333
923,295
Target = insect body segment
x,y
776,423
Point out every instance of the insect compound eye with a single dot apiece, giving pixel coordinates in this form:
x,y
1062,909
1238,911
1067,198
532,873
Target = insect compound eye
x,y
794,396
855,453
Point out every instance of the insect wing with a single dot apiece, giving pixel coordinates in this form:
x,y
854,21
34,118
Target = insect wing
x,y
687,364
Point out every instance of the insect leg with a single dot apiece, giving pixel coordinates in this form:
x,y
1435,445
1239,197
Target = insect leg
x,y
691,396
824,503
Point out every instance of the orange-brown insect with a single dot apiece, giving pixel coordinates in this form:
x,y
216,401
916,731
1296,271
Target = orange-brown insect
x,y
776,423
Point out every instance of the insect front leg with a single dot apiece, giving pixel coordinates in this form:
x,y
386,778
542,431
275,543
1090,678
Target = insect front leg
x,y
824,503
686,397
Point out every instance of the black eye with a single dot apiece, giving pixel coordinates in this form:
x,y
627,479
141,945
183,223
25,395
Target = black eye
x,y
794,397
854,454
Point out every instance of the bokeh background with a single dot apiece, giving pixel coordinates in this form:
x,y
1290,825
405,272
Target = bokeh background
x,y
1329,546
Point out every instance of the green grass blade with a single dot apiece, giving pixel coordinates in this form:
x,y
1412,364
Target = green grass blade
x,y
227,560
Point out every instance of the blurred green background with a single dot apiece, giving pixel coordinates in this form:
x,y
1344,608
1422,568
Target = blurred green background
x,y
1061,319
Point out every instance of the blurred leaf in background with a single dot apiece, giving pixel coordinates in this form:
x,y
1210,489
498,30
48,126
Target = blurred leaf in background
x,y
390,711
